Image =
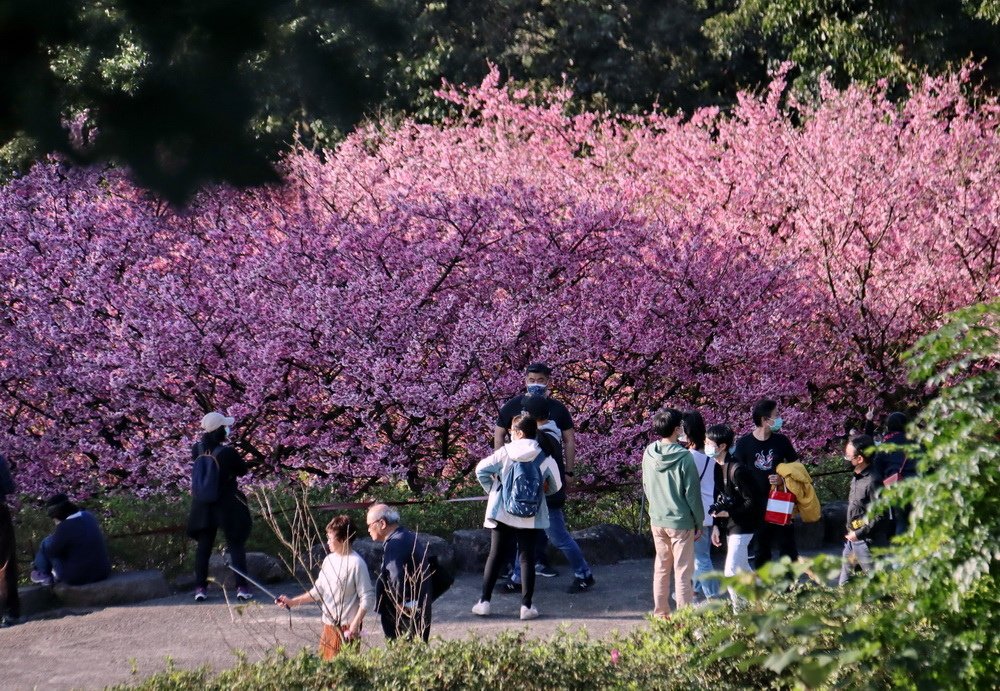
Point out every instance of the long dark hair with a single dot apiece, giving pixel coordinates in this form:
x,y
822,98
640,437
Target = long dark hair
x,y
209,440
694,427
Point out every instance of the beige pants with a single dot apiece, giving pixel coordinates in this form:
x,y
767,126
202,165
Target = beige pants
x,y
674,556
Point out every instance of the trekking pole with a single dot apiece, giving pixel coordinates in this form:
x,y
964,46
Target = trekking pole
x,y
253,582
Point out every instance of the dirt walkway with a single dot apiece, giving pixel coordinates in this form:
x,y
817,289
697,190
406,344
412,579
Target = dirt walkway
x,y
123,644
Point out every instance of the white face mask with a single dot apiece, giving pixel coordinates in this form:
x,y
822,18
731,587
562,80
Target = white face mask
x,y
682,438
711,451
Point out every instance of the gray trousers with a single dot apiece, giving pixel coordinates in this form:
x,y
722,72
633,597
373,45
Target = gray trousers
x,y
855,554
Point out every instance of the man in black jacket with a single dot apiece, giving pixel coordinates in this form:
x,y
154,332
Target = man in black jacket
x,y
403,588
861,529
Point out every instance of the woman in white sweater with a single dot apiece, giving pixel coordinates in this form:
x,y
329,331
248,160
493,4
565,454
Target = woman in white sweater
x,y
343,589
512,517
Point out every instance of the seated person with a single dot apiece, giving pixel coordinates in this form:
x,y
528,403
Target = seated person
x,y
75,553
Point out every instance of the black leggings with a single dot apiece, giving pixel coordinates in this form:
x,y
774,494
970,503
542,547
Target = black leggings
x,y
502,542
237,551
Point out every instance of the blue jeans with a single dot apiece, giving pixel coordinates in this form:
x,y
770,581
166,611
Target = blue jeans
x,y
44,563
708,587
564,542
860,552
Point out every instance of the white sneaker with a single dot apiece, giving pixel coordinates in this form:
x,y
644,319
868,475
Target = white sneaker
x,y
482,608
528,613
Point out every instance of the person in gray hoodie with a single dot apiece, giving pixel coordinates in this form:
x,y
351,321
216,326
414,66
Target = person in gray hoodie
x,y
676,512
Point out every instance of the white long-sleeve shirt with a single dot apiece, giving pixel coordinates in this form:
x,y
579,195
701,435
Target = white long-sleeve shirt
x,y
343,586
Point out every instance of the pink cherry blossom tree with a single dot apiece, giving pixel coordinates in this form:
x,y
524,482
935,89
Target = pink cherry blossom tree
x,y
363,319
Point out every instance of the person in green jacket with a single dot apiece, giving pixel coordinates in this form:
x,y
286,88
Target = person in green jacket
x,y
676,513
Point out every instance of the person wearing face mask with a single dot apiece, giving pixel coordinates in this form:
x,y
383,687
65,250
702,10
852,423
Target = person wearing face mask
x,y
537,382
736,506
761,451
228,511
865,485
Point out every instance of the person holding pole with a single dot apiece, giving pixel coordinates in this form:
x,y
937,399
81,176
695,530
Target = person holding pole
x,y
343,589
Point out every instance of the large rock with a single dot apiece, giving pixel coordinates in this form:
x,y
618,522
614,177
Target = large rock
x,y
35,599
371,551
471,548
834,522
608,544
442,549
809,536
261,567
119,589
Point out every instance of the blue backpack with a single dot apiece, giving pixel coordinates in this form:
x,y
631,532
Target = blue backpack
x,y
521,491
205,476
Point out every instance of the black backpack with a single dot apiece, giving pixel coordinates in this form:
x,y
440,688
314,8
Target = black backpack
x,y
205,476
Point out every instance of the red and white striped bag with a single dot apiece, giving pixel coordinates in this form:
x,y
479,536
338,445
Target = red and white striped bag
x,y
780,506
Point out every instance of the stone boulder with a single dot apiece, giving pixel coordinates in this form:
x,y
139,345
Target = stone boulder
x,y
834,522
608,544
119,589
809,536
371,551
35,599
471,548
442,549
261,567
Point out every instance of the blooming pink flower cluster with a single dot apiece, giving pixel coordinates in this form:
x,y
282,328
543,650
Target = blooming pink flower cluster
x,y
361,319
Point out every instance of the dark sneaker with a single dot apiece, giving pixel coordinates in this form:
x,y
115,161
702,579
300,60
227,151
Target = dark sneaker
x,y
6,621
244,594
545,571
510,588
581,585
200,594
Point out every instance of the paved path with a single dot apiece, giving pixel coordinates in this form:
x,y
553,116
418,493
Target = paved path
x,y
123,644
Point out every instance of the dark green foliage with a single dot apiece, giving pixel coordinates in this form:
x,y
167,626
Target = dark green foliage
x,y
852,40
175,89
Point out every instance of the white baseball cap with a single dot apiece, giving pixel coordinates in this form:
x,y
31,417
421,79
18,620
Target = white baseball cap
x,y
214,421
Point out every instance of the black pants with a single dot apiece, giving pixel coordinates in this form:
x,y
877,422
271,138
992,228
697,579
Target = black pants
x,y
502,542
237,552
400,623
769,535
10,601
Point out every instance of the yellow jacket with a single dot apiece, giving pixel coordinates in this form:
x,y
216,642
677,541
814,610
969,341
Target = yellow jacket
x,y
799,483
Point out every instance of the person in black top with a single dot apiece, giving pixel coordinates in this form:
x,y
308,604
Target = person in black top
x,y
760,452
229,512
10,601
537,381
865,485
737,508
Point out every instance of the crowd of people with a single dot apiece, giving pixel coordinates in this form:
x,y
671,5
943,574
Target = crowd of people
x,y
703,487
